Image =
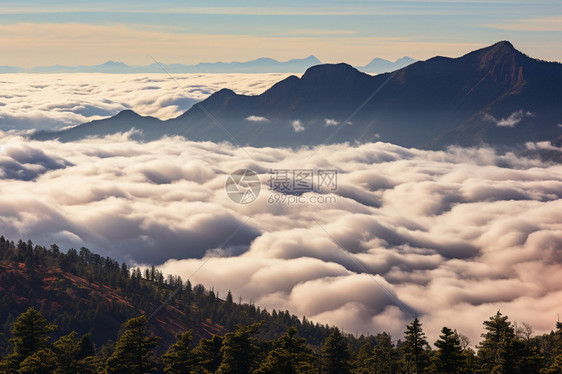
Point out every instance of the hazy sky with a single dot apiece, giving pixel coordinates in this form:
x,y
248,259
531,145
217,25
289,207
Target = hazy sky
x,y
90,32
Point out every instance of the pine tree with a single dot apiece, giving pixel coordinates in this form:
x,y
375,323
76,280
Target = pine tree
x,y
208,353
385,360
66,352
449,358
335,354
415,347
180,357
229,300
290,355
364,362
87,347
497,351
42,361
240,350
31,333
134,351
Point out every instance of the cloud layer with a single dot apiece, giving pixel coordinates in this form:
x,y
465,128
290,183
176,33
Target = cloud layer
x,y
453,236
54,101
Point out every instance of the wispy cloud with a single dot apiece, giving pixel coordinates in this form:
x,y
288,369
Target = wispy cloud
x,y
257,119
551,23
511,121
319,32
331,122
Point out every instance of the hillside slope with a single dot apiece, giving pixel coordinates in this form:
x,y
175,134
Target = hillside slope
x,y
87,293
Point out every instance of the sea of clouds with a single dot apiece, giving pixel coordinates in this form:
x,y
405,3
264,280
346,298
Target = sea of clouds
x,y
55,101
451,236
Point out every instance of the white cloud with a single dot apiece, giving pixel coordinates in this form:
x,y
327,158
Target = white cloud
x,y
511,121
297,126
55,101
331,122
256,119
453,235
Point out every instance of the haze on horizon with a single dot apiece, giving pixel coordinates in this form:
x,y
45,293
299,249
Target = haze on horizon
x,y
89,33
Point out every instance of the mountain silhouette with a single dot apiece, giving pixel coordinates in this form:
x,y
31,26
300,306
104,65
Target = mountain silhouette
x,y
379,65
495,95
260,65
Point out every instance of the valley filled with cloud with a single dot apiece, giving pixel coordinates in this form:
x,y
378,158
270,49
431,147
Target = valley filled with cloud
x,y
55,101
451,236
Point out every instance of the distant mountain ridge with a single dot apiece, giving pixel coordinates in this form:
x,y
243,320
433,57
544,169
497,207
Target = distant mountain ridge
x,y
379,65
260,65
10,69
495,95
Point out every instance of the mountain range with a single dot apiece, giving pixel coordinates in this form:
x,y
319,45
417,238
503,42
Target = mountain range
x,y
10,69
260,65
495,95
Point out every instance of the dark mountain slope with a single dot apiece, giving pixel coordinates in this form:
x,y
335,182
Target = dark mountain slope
x,y
433,103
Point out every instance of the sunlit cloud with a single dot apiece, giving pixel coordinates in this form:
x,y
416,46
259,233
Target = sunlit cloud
x,y
451,235
55,101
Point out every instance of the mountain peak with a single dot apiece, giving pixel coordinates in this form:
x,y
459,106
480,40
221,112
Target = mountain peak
x,y
127,113
327,72
113,63
225,92
499,50
504,44
312,58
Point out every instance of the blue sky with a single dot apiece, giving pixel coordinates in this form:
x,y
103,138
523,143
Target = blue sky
x,y
89,32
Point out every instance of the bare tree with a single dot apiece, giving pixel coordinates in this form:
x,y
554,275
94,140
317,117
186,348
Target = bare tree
x,y
526,330
465,341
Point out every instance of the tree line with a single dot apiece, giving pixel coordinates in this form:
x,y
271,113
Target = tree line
x,y
239,352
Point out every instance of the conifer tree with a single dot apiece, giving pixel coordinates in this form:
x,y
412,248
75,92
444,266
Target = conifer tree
x,y
385,360
415,347
240,350
31,333
42,361
180,357
363,362
335,354
290,355
208,353
66,350
134,351
497,351
448,358
229,300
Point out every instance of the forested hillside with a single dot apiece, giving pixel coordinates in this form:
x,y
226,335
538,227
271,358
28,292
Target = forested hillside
x,y
84,292
78,312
